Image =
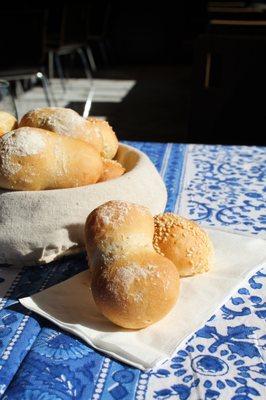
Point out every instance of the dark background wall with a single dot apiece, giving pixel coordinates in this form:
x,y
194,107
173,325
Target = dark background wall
x,y
145,32
169,48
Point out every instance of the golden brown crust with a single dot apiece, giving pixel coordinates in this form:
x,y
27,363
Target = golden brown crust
x,y
63,121
7,122
184,243
132,285
110,141
36,159
111,169
136,291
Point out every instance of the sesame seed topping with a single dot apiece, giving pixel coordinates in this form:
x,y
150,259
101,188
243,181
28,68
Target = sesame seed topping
x,y
173,231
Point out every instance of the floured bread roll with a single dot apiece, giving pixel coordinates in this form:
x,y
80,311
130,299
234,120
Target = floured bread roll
x,y
132,285
184,243
35,159
66,122
7,122
110,141
111,169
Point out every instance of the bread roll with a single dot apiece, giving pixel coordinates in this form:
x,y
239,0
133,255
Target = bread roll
x,y
64,121
35,159
111,169
110,141
7,122
184,243
132,285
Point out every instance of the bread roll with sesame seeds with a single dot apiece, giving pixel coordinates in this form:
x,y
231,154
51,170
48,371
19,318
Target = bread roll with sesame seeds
x,y
111,169
36,159
64,121
184,243
110,141
132,285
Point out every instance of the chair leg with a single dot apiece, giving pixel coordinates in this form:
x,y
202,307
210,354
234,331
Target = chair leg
x,y
103,52
91,58
50,90
26,83
51,64
19,88
60,71
71,64
109,51
88,103
84,62
48,93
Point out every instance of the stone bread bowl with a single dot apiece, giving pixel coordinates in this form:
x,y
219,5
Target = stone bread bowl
x,y
40,226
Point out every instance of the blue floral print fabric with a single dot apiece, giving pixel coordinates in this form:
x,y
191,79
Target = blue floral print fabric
x,y
225,359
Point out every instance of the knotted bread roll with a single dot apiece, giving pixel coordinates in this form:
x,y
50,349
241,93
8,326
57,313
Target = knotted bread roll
x,y
184,243
36,159
132,285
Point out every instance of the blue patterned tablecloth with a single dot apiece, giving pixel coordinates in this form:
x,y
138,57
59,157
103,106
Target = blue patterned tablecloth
x,y
225,359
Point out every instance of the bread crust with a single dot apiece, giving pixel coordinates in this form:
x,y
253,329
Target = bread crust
x,y
184,242
63,121
7,122
132,285
36,159
110,141
111,169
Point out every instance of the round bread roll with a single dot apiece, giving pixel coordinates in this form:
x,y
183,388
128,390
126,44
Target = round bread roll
x,y
35,159
132,285
64,121
184,243
7,122
111,169
110,141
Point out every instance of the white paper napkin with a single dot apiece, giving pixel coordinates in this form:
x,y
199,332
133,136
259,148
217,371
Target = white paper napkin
x,y
70,304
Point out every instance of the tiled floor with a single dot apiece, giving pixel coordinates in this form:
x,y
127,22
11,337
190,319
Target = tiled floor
x,y
77,91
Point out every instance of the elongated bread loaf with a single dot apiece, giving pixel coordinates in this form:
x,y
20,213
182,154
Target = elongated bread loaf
x,y
64,121
36,159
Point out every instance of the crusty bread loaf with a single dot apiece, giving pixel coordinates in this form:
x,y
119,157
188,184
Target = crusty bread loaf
x,y
66,122
132,285
7,122
111,169
184,243
110,141
36,159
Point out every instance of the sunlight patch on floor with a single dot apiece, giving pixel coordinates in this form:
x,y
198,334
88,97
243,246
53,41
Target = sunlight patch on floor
x,y
77,90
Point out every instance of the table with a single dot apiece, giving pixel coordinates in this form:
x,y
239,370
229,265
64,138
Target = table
x,y
220,186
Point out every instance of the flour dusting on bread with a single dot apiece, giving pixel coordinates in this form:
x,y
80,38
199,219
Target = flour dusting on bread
x,y
114,213
127,274
19,143
22,142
